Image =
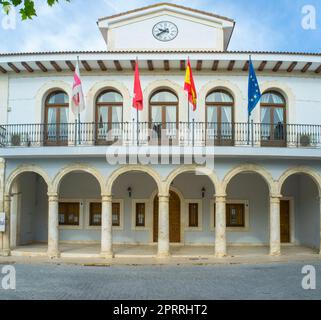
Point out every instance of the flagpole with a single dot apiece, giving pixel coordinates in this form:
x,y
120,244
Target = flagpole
x,y
249,115
188,114
79,125
137,113
248,129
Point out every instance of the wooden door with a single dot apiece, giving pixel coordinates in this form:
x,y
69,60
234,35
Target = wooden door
x,y
174,218
285,221
56,125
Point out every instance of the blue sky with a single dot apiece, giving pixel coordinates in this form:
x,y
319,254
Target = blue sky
x,y
273,25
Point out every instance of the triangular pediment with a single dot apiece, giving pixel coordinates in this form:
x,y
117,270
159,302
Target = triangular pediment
x,y
166,27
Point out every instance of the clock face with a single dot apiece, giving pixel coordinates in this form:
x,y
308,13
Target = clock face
x,y
165,31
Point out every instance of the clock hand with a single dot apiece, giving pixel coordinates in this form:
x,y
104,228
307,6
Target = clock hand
x,y
164,31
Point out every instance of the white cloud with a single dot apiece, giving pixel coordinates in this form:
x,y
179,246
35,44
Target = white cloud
x,y
72,26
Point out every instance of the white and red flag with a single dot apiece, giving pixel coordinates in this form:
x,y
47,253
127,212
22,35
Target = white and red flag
x,y
78,100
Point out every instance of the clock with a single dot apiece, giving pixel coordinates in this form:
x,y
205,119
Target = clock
x,y
165,31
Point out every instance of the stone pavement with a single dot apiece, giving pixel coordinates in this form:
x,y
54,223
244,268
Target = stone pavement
x,y
221,282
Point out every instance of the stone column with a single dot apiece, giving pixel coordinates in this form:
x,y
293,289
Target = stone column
x,y
320,225
107,227
6,234
2,187
15,205
163,227
275,225
53,227
220,226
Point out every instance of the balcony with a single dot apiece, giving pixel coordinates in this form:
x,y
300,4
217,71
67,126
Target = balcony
x,y
162,134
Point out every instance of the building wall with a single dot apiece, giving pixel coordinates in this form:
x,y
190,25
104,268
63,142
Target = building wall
x,y
302,94
52,166
308,217
192,34
4,89
253,188
28,208
248,187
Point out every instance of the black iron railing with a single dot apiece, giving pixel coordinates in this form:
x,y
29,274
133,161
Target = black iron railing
x,y
147,133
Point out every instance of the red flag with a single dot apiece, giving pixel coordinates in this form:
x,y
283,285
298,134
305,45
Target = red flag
x,y
190,86
138,101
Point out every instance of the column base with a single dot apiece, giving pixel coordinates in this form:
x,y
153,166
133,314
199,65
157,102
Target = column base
x,y
5,253
275,250
220,255
163,255
107,255
275,253
53,254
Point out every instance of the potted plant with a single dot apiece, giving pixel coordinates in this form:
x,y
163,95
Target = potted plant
x,y
16,140
305,140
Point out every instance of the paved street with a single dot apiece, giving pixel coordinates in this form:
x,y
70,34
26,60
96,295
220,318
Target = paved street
x,y
272,281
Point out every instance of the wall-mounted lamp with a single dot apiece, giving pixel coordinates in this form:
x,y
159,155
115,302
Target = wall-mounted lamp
x,y
129,192
203,192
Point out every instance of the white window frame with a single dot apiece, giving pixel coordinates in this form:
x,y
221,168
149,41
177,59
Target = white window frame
x,y
147,215
246,216
200,215
81,214
87,214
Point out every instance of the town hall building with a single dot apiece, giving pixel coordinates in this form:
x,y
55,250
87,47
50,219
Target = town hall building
x,y
64,194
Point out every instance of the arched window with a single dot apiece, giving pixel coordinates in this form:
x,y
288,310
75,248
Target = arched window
x,y
164,115
56,118
220,117
109,117
273,119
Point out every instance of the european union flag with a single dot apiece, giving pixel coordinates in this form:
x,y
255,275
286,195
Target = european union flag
x,y
254,88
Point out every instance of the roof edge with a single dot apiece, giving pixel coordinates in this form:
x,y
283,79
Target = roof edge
x,y
166,4
10,54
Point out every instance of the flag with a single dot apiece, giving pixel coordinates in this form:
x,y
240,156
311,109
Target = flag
x,y
78,100
190,86
254,95
138,100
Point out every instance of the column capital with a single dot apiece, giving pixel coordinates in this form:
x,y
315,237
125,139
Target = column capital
x,y
7,197
220,197
163,197
106,198
53,197
275,198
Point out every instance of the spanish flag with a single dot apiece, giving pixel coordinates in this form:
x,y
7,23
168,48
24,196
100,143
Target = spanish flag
x,y
190,86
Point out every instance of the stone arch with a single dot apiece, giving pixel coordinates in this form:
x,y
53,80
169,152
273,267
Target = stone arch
x,y
231,88
250,168
97,88
28,168
305,170
170,85
43,93
184,169
125,169
78,167
288,95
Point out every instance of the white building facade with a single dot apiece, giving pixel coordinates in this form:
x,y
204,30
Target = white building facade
x,y
115,180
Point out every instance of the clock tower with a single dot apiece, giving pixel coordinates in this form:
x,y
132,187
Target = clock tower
x,y
166,27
